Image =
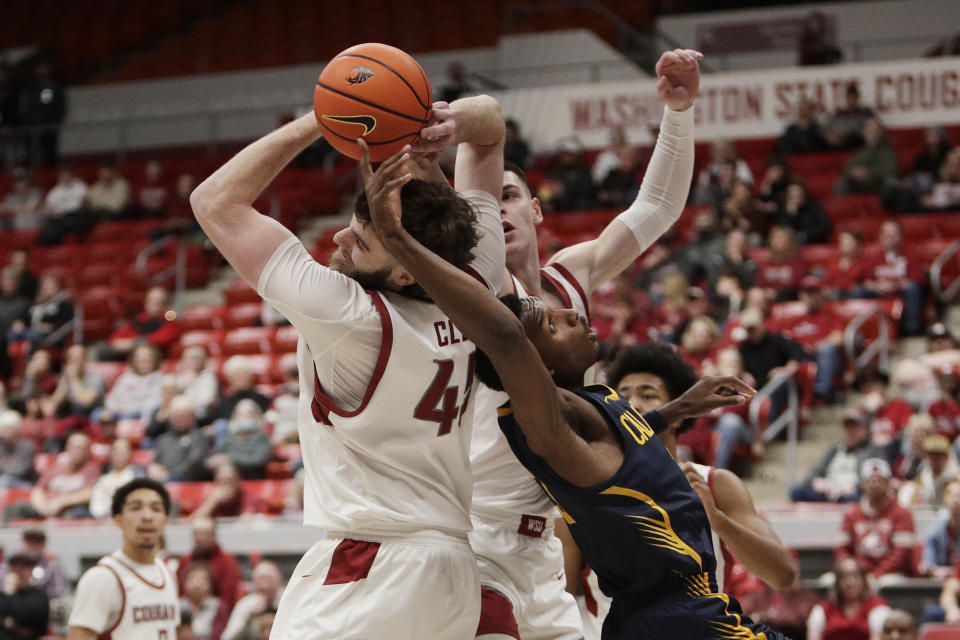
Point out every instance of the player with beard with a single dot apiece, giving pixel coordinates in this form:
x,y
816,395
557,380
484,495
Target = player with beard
x,y
130,594
629,506
386,381
519,558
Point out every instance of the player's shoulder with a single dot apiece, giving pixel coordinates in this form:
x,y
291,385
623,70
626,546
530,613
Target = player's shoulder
x,y
101,576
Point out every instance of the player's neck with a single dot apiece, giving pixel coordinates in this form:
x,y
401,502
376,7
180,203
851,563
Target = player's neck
x,y
140,555
528,273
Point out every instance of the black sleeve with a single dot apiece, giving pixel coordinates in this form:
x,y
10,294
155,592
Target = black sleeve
x,y
818,223
29,608
791,350
656,421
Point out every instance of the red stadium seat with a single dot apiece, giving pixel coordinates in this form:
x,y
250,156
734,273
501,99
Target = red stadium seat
x,y
248,340
819,254
109,371
242,315
239,293
201,317
939,632
286,339
132,429
209,339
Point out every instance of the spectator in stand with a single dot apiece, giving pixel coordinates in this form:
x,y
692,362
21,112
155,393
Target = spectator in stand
x,y
24,608
14,308
804,215
246,444
122,471
16,453
768,355
153,326
50,312
282,414
888,415
138,389
39,384
820,331
919,428
784,610
108,198
900,625
240,378
615,172
515,148
945,194
836,477
197,381
160,417
20,262
63,208
569,185
151,196
877,531
208,613
939,466
267,589
21,205
700,342
730,423
928,163
733,261
80,389
181,452
65,487
929,379
206,551
873,166
741,211
773,185
723,154
178,216
672,311
804,134
456,85
945,410
47,573
782,274
845,129
263,624
851,610
845,273
817,43
694,259
895,272
949,606
227,499
941,549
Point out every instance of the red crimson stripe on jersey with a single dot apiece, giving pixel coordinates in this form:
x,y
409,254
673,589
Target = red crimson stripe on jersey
x,y
352,560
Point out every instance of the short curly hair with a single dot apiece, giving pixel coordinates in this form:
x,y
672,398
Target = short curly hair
x,y
657,359
120,495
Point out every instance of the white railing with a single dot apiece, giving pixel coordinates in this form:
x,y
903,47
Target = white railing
x,y
878,348
177,271
788,419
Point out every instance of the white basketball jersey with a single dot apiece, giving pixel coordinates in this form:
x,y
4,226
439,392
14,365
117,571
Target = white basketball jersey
x,y
707,474
500,483
150,610
400,461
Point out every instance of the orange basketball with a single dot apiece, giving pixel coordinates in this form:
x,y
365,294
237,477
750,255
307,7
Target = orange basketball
x,y
375,92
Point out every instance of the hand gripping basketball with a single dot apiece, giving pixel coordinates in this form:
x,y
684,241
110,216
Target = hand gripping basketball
x,y
383,189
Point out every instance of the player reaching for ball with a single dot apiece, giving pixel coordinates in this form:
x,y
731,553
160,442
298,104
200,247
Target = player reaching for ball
x,y
629,506
519,559
386,378
130,594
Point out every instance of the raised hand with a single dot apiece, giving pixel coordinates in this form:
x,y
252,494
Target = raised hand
x,y
439,134
678,78
383,189
710,392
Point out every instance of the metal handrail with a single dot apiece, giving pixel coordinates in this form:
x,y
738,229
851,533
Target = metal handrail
x,y
177,271
948,293
879,348
789,418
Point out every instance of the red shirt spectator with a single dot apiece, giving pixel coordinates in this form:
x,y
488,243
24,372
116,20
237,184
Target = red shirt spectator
x,y
877,531
852,611
781,276
223,566
946,416
813,327
150,325
842,274
65,487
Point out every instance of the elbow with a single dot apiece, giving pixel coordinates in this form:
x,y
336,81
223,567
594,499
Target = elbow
x,y
787,575
202,201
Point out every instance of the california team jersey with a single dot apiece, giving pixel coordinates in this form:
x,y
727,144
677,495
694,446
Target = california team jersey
x,y
399,462
149,608
644,531
500,483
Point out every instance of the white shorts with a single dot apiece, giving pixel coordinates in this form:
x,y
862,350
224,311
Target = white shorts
x,y
422,585
528,571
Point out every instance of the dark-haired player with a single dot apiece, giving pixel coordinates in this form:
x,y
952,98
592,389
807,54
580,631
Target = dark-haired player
x,y
130,594
648,376
629,506
385,384
519,559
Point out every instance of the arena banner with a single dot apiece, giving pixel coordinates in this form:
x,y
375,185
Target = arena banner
x,y
739,105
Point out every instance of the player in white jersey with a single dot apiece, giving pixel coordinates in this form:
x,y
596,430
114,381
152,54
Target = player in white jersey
x,y
649,376
130,594
386,381
519,559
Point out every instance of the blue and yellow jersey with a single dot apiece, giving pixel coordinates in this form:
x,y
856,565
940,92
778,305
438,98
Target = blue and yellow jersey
x,y
643,529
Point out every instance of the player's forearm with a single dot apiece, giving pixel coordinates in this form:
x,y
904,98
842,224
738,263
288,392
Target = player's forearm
x,y
244,177
762,554
948,596
479,120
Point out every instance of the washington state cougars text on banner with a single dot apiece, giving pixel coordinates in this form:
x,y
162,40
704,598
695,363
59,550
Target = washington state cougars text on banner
x,y
740,105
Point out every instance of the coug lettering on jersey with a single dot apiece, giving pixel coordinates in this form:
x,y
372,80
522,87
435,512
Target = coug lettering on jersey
x,y
154,612
447,333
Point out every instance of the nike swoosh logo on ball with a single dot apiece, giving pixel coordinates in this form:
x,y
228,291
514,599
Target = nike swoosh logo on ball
x,y
369,122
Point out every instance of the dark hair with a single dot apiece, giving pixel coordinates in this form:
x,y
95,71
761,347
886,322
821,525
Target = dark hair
x,y
657,359
120,496
438,218
483,367
515,169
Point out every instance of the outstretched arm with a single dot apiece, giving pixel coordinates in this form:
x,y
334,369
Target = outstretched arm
x,y
665,184
223,203
734,517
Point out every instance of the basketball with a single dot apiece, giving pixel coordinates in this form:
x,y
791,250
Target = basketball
x,y
375,92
